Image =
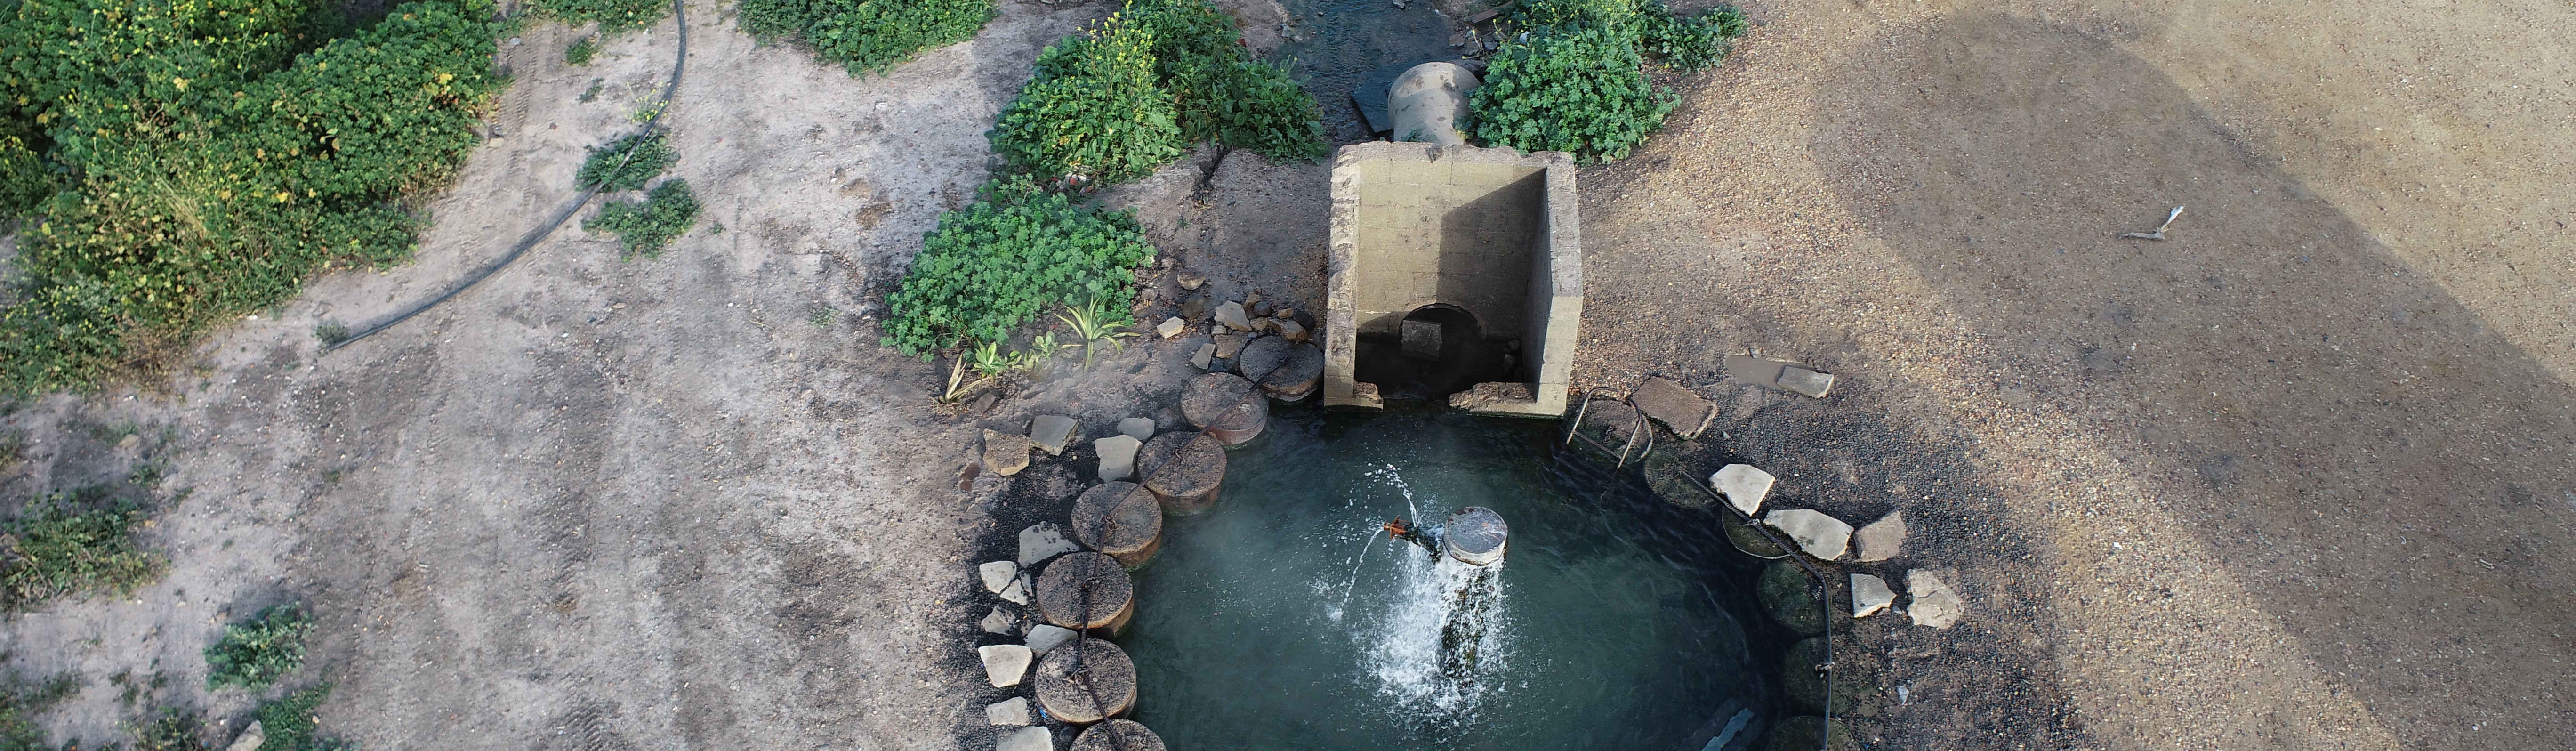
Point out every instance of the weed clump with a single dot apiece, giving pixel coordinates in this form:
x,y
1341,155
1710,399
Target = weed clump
x,y
1001,261
1575,81
627,163
172,730
867,35
72,544
21,699
613,16
1135,91
254,654
290,724
192,162
581,52
646,228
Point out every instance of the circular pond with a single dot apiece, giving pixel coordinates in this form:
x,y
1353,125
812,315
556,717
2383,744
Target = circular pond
x,y
1285,618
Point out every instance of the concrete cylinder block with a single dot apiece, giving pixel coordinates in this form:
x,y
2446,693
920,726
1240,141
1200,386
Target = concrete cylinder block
x,y
1429,101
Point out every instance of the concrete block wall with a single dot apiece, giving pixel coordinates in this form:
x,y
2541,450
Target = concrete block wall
x,y
1493,231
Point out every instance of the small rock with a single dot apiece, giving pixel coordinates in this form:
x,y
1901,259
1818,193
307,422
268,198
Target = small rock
x,y
1043,637
1290,331
1004,663
1284,314
1870,595
1882,539
1051,432
1231,316
1228,344
1139,428
1011,712
1251,299
998,622
1805,381
1005,454
1265,325
997,575
130,440
1933,604
1042,541
1192,280
1171,327
1205,357
1822,536
1743,485
1117,456
1032,738
1258,309
250,739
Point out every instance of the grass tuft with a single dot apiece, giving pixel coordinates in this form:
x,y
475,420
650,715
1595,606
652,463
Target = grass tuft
x,y
254,654
645,229
75,544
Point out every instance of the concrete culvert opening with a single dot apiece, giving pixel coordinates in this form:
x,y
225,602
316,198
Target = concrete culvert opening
x,y
1457,273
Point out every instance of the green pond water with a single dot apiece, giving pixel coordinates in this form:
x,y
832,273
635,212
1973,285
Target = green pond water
x,y
1284,619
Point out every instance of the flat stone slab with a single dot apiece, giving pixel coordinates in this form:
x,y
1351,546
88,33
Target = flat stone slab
x,y
1933,603
1685,413
998,622
1870,595
1044,638
1743,485
1050,432
1206,356
1042,541
1139,428
1228,344
1012,712
1005,663
1032,738
1882,539
1230,315
1005,454
1806,381
997,575
1117,456
1171,327
1822,536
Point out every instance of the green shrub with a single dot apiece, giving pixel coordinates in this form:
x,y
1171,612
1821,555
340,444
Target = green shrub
x,y
613,16
627,163
999,262
1688,44
24,179
210,163
1134,91
289,723
581,52
172,730
868,35
1104,119
254,654
646,228
76,543
21,699
1577,88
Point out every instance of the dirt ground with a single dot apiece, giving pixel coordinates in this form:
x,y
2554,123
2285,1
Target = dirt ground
x,y
2303,476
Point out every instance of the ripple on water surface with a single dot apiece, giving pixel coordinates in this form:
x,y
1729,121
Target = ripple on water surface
x,y
1282,618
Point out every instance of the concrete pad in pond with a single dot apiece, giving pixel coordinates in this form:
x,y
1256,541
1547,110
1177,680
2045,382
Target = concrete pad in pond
x,y
1297,376
1118,735
1476,535
1822,536
1086,681
1184,471
1261,356
1226,406
1086,591
1121,519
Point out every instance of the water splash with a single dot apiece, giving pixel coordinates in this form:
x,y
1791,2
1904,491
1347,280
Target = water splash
x,y
1347,589
1441,642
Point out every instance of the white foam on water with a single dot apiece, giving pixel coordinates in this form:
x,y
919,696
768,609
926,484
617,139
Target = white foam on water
x,y
1440,642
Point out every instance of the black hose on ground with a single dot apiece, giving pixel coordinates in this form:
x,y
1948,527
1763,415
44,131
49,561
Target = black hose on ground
x,y
651,125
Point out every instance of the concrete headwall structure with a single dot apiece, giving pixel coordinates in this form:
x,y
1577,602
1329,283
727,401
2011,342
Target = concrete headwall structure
x,y
1491,231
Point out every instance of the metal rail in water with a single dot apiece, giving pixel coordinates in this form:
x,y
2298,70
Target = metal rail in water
x,y
1643,430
